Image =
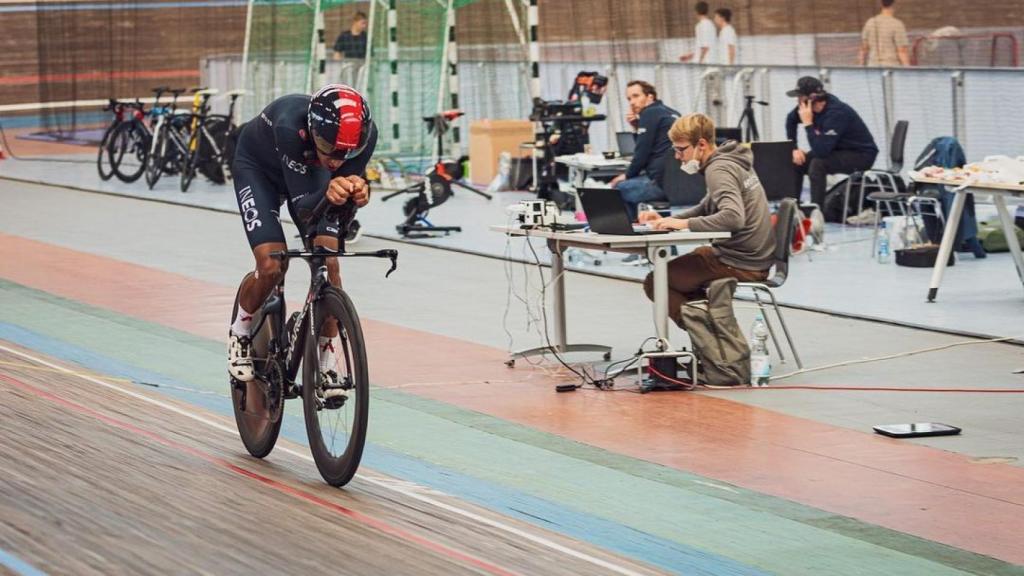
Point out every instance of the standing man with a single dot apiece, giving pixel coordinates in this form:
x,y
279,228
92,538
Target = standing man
x,y
352,42
704,36
884,40
652,120
727,39
840,141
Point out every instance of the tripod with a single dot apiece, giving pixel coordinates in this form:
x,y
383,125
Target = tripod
x,y
750,133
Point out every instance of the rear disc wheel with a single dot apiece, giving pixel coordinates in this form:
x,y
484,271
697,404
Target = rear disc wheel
x,y
259,404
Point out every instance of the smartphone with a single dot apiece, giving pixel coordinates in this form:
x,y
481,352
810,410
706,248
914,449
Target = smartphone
x,y
916,430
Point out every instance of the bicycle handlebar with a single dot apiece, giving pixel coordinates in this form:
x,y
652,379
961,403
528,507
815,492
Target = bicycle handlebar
x,y
320,252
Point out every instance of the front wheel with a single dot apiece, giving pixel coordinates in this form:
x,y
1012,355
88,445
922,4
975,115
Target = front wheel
x,y
335,388
157,156
188,169
128,149
103,156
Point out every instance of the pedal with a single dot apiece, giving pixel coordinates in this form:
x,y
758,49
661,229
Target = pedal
x,y
292,391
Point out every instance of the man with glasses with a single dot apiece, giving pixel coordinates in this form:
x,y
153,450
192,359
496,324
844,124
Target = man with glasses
x,y
299,149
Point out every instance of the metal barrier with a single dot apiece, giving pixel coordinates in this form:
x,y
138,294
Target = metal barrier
x,y
976,105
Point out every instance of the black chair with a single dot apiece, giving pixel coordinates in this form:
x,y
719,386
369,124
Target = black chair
x,y
785,224
888,180
773,164
680,188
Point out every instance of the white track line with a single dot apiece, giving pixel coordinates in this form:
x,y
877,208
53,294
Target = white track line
x,y
383,482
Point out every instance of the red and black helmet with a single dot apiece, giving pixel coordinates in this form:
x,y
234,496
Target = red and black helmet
x,y
339,121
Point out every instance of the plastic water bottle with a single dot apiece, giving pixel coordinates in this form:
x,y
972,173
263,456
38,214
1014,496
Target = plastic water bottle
x,y
760,361
884,254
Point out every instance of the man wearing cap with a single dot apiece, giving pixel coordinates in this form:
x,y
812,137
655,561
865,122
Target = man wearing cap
x,y
840,141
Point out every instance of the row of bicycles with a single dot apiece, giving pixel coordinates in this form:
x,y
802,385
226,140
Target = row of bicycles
x,y
164,140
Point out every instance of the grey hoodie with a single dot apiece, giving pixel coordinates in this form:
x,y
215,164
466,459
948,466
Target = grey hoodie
x,y
735,203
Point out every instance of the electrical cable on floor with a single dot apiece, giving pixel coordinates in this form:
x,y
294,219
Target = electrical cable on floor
x,y
882,388
532,319
603,384
582,373
10,151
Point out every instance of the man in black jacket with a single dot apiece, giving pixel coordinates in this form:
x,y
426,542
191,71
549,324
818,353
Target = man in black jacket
x,y
652,119
840,141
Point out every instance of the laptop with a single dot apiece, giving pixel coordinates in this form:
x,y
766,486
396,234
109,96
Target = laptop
x,y
606,213
723,134
626,141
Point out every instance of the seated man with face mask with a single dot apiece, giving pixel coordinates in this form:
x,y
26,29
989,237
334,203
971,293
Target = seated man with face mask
x,y
735,203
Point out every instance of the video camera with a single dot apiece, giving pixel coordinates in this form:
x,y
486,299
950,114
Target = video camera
x,y
587,90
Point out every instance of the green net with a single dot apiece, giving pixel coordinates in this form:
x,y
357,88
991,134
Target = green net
x,y
420,49
280,52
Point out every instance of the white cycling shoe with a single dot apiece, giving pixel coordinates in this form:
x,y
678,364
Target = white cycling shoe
x,y
329,368
240,365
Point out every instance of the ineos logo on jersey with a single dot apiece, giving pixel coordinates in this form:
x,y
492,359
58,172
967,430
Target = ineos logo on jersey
x,y
250,214
292,165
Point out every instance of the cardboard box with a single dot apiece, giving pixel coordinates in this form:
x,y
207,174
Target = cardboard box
x,y
488,139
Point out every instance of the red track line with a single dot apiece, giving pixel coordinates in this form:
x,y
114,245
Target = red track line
x,y
96,75
379,525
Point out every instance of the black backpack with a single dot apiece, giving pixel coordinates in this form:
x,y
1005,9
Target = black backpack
x,y
833,208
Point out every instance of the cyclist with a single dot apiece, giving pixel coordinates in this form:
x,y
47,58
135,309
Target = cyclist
x,y
297,150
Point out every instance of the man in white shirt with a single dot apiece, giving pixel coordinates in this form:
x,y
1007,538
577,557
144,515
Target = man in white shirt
x,y
727,39
704,37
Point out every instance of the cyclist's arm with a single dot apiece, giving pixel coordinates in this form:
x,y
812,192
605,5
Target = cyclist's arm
x,y
302,179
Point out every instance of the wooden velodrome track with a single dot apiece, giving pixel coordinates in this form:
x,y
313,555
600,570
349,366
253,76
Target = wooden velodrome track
x,y
99,479
118,453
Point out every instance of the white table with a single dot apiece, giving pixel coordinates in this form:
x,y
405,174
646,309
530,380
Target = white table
x,y
653,246
582,164
999,192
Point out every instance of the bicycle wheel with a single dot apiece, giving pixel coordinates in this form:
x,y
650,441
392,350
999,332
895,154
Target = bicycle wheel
x,y
336,425
128,150
157,156
188,169
259,404
103,155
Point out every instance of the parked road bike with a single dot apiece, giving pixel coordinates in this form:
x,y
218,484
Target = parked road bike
x,y
120,139
207,139
170,137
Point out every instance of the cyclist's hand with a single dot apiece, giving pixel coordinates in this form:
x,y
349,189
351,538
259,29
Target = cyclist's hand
x,y
339,190
360,191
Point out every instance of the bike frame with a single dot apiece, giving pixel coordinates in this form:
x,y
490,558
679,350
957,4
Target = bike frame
x,y
289,344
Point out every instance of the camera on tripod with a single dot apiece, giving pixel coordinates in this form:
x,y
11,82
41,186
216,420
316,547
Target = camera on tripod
x,y
564,126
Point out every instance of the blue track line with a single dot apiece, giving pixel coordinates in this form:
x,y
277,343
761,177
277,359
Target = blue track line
x,y
17,565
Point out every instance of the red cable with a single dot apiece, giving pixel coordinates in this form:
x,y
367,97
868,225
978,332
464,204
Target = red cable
x,y
683,383
691,386
870,389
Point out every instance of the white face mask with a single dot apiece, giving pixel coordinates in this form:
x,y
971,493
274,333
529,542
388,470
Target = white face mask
x,y
691,167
